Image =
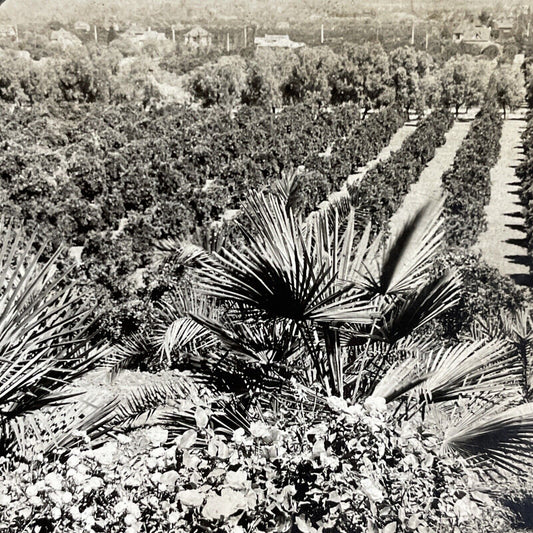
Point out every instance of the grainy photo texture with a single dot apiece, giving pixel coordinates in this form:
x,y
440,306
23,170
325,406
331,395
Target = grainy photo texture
x,y
265,266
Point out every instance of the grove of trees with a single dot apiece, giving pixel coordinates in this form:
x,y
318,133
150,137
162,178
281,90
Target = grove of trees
x,y
303,367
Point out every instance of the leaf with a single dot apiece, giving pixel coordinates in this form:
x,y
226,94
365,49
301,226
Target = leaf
x,y
279,272
465,369
495,439
44,329
191,498
187,440
390,528
304,526
228,503
201,418
408,255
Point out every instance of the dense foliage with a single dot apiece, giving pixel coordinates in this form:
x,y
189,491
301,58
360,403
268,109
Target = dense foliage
x,y
468,187
113,180
384,187
159,71
467,184
343,470
525,173
290,422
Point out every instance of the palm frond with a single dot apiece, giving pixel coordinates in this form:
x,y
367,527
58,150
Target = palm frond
x,y
407,256
458,371
276,273
175,330
52,431
130,352
226,417
178,253
287,188
147,404
416,310
44,329
263,343
495,439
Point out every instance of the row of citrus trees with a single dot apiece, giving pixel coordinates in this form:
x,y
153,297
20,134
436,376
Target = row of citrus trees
x,y
467,189
467,183
165,173
383,188
525,173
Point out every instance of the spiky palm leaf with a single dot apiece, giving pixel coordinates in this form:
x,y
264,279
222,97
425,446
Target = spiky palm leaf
x,y
404,262
178,253
43,329
501,440
262,343
411,313
147,405
287,188
175,329
458,371
225,418
52,431
130,352
517,328
277,273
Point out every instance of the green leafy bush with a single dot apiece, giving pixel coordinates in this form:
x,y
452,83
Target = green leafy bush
x,y
525,174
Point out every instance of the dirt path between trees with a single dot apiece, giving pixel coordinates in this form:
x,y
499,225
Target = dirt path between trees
x,y
504,245
428,186
395,143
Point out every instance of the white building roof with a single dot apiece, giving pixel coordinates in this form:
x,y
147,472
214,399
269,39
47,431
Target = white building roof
x,y
277,41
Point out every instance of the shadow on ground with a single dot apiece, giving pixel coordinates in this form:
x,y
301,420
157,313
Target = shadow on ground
x,y
522,508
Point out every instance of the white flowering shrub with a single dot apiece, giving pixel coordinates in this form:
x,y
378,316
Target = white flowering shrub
x,y
353,469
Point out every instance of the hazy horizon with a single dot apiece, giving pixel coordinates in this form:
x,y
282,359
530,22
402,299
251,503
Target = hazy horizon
x,y
34,11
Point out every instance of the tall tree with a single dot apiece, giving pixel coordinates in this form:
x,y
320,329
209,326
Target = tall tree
x,y
362,76
464,82
309,78
506,86
408,68
220,83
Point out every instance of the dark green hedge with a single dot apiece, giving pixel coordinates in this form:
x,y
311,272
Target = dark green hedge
x,y
525,173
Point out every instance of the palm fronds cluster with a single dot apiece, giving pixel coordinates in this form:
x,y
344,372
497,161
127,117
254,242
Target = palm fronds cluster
x,y
316,305
45,339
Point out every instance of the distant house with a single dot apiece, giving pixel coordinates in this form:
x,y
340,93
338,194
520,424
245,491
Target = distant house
x,y
197,37
8,32
459,32
140,35
82,26
475,35
64,38
276,41
503,29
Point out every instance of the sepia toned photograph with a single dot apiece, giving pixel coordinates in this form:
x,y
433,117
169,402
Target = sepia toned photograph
x,y
266,266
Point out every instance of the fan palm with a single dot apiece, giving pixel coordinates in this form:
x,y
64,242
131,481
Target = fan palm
x,y
324,280
44,331
495,439
454,372
517,328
